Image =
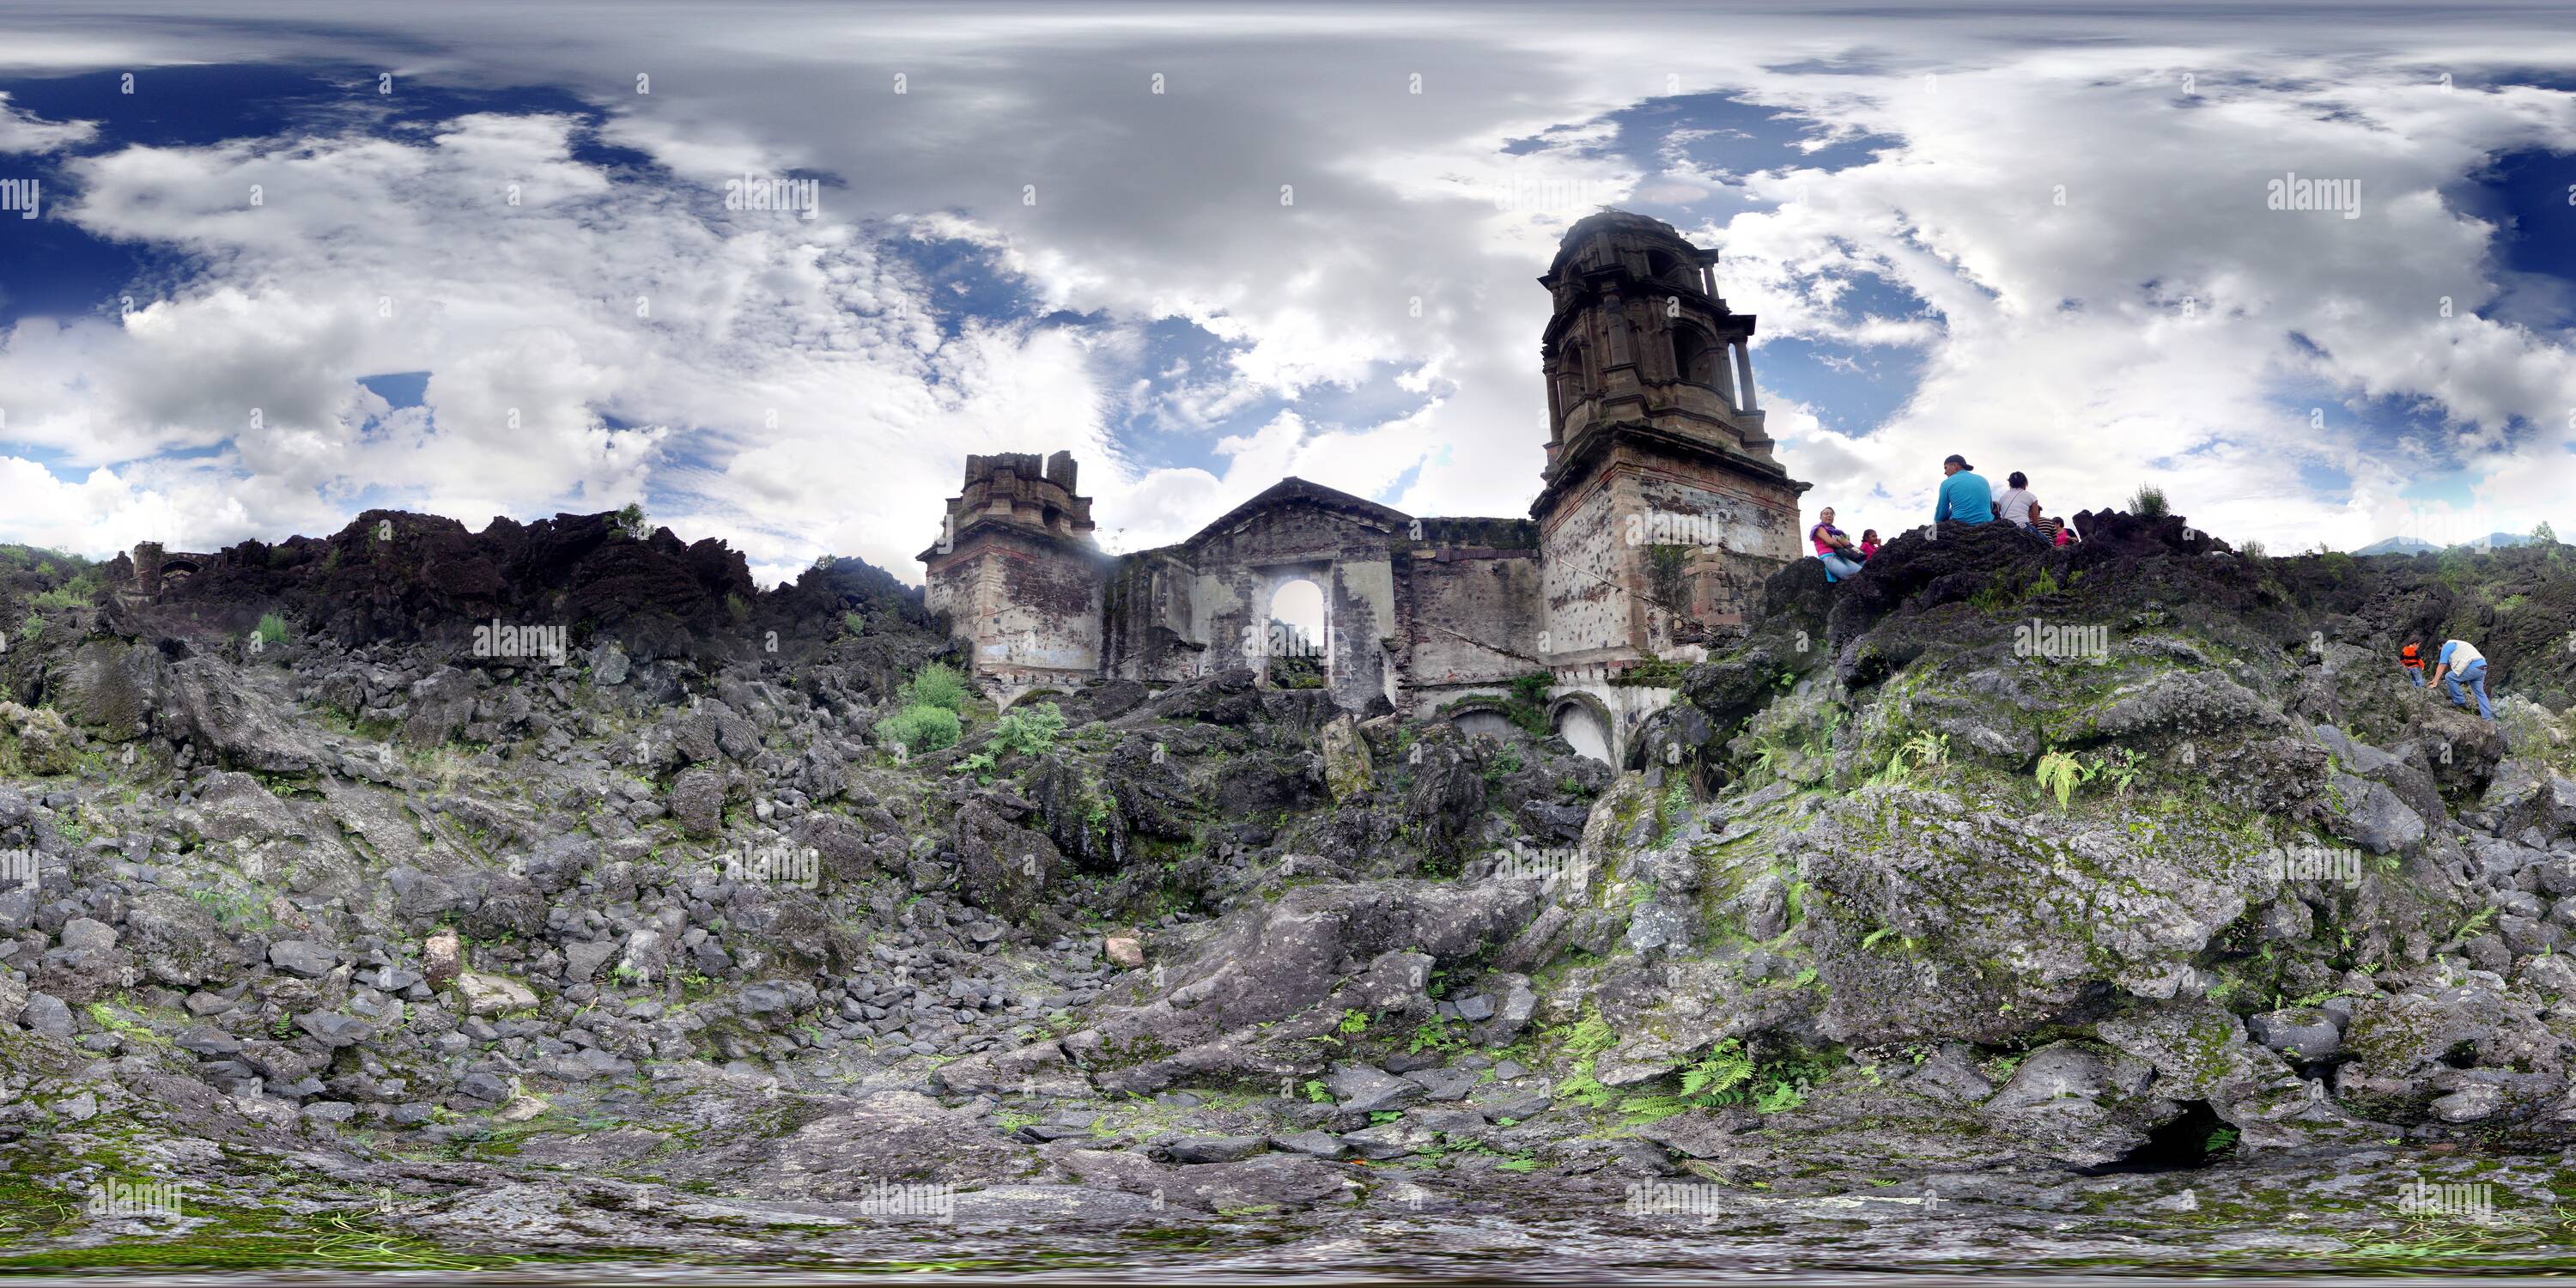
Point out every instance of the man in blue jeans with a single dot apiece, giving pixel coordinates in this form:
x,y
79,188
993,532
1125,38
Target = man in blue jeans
x,y
2460,664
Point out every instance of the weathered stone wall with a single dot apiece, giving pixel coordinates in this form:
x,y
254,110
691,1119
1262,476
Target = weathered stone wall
x,y
1586,613
1028,609
1473,622
1726,536
1146,620
1348,556
1656,550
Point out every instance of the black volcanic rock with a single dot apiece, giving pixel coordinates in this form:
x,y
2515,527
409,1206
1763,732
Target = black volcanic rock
x,y
397,578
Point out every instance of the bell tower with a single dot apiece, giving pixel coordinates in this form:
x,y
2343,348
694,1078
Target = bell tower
x,y
1663,507
1018,573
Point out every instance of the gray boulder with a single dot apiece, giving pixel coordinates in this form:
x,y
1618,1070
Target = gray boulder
x,y
176,941
2079,1105
241,717
113,689
2301,1033
46,1014
1364,1090
302,959
1915,897
1003,868
697,799
2370,815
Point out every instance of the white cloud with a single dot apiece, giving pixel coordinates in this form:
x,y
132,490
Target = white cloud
x,y
793,388
24,132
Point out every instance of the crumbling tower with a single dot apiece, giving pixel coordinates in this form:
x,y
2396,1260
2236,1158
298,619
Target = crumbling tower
x,y
1663,508
1018,573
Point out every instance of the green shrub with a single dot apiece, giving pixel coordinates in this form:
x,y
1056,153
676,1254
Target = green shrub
x,y
272,628
71,594
854,623
2148,502
2250,549
632,521
921,727
936,685
1029,731
1528,706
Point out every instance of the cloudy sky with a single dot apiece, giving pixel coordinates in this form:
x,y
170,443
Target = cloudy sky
x,y
288,262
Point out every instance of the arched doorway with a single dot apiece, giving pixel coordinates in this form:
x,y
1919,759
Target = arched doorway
x,y
1482,722
1584,726
1297,639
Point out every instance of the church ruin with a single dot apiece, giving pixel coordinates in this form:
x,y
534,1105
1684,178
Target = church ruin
x,y
1662,511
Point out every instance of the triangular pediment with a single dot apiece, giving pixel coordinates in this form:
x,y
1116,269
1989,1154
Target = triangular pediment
x,y
1293,491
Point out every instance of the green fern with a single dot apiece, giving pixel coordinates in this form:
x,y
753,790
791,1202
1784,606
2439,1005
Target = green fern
x,y
2124,766
1922,751
2060,773
1780,1096
1725,1068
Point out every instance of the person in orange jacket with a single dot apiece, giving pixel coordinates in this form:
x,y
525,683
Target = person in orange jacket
x,y
2413,657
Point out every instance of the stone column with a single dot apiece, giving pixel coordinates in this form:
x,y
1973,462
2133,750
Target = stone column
x,y
1744,374
147,568
1550,371
1614,315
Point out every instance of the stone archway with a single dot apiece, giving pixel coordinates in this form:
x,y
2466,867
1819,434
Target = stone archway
x,y
1296,629
1585,725
1473,718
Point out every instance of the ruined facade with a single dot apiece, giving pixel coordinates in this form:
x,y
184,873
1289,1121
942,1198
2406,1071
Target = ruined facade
x,y
1662,511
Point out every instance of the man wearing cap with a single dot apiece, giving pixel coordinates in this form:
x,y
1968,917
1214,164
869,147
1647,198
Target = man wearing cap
x,y
1965,495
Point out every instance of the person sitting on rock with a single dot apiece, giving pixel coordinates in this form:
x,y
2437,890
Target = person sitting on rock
x,y
2016,505
1834,550
2056,532
2460,663
1965,495
1868,542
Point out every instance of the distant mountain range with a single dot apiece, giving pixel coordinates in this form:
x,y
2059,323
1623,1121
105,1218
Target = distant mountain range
x,y
2418,546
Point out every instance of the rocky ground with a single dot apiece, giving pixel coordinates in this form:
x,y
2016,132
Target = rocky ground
x,y
2115,906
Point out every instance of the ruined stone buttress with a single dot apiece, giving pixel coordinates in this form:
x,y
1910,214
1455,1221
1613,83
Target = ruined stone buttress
x,y
1661,512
